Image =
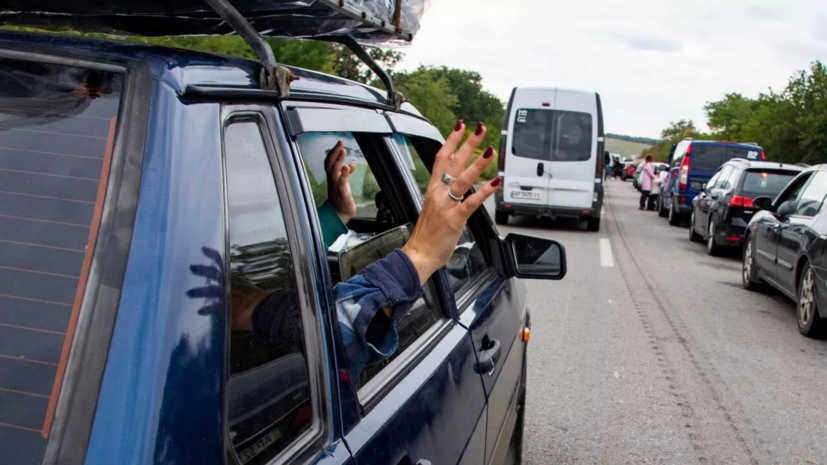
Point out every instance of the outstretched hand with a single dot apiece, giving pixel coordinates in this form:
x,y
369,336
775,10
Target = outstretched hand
x,y
338,185
443,218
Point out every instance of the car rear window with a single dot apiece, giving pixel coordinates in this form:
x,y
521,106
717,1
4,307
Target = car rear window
x,y
56,130
707,157
747,153
552,135
765,182
532,134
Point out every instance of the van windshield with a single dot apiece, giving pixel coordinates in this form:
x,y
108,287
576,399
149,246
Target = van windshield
x,y
552,135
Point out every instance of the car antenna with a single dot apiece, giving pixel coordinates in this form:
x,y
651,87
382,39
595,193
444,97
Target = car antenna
x,y
273,75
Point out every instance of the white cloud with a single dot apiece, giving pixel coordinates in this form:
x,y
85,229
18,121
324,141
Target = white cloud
x,y
653,61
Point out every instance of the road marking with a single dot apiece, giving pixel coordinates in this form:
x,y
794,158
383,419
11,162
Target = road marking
x,y
606,253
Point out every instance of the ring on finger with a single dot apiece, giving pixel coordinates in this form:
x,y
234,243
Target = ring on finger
x,y
454,197
448,180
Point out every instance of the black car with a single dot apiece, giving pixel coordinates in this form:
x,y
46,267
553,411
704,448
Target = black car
x,y
785,245
721,211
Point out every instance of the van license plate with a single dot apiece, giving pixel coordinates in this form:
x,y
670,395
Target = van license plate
x,y
525,195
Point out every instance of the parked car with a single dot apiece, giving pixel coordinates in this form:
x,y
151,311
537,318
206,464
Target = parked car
x,y
664,202
722,210
785,246
697,161
551,156
146,190
629,169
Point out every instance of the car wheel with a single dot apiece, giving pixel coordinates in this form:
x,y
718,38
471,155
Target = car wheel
x,y
693,236
593,224
712,247
749,272
809,323
501,217
674,218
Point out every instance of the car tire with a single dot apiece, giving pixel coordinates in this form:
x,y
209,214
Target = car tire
x,y
749,272
501,217
810,323
712,247
693,235
593,224
674,217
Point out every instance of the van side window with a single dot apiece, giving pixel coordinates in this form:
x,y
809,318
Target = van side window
x,y
376,229
269,397
552,135
572,136
531,137
467,261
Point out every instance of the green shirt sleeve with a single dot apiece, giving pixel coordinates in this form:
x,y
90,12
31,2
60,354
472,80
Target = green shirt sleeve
x,y
332,224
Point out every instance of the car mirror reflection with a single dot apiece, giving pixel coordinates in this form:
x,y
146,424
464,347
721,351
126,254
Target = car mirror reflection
x,y
537,257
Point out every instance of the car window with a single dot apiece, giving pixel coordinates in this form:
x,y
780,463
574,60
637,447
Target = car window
x,y
713,180
269,398
706,157
57,126
680,150
747,153
572,136
723,179
811,199
531,137
371,235
468,261
765,182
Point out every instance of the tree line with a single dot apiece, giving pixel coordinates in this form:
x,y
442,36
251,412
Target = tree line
x,y
789,124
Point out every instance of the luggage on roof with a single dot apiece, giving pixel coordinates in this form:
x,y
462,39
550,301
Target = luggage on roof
x,y
367,21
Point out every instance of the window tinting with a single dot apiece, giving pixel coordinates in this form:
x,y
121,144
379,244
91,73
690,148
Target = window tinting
x,y
771,183
56,128
269,403
706,157
752,153
531,136
810,201
572,136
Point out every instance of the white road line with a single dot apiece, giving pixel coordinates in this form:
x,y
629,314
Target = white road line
x,y
606,253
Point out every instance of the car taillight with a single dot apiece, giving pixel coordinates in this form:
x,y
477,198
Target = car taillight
x,y
740,201
763,155
684,177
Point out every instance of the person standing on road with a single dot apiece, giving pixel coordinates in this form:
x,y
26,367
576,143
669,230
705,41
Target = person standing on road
x,y
607,165
647,175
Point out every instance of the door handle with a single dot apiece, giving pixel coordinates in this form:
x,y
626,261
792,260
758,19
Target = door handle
x,y
540,168
489,356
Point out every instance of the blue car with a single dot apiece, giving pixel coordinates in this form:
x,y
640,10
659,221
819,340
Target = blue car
x,y
147,195
693,164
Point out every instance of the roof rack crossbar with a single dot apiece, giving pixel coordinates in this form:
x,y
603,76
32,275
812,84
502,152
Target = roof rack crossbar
x,y
273,76
395,99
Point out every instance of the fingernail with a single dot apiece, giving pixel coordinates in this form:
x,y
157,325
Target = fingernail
x,y
479,128
458,126
496,182
488,152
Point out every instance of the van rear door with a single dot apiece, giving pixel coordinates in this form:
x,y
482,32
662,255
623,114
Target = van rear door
x,y
528,156
574,150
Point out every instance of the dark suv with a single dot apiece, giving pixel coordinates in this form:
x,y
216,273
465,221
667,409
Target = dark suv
x,y
148,194
696,161
722,210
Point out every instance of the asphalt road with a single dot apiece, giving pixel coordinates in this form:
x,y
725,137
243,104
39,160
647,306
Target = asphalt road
x,y
655,354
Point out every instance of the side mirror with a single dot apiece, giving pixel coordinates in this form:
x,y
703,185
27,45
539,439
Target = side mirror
x,y
762,203
785,209
536,257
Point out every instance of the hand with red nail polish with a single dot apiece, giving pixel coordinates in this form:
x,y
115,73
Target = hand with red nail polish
x,y
445,211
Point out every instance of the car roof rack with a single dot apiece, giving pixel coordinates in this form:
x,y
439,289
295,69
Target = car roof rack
x,y
276,77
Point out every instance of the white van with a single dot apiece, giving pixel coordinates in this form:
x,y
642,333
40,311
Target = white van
x,y
551,156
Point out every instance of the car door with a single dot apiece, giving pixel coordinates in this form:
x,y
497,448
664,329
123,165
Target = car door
x,y
702,204
574,154
528,157
794,232
717,197
493,309
767,227
424,404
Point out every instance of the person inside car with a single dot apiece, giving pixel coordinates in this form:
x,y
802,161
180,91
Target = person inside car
x,y
370,304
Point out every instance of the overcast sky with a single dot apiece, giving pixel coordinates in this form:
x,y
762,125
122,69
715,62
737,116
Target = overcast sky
x,y
653,61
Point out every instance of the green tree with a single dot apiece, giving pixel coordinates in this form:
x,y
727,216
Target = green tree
x,y
728,117
431,94
474,103
348,66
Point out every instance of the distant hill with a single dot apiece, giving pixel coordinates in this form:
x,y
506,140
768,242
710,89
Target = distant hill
x,y
641,140
624,147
